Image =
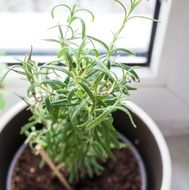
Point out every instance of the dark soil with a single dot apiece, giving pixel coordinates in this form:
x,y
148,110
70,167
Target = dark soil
x,y
122,174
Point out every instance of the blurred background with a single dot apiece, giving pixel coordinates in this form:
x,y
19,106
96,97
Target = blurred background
x,y
161,52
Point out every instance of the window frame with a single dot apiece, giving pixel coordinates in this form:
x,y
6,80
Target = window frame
x,y
153,32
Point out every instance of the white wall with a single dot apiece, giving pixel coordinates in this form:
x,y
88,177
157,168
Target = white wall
x,y
168,104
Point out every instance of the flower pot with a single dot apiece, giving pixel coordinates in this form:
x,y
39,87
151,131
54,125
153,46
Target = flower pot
x,y
146,138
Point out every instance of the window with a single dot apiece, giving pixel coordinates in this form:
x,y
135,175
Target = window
x,y
25,22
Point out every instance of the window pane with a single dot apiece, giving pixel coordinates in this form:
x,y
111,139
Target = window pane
x,y
24,22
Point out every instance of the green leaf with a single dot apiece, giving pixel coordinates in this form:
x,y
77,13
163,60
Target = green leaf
x,y
88,91
62,52
58,68
131,70
124,109
69,60
111,76
28,126
122,5
79,108
52,40
80,49
147,18
71,94
95,51
63,103
2,102
100,42
92,15
102,117
124,50
97,167
61,32
55,115
99,149
48,105
98,80
60,5
53,82
83,27
89,168
130,87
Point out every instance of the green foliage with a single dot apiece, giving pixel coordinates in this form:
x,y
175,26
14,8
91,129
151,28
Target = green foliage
x,y
2,101
73,98
2,91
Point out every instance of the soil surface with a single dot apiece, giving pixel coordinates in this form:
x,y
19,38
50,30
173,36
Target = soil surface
x,y
122,174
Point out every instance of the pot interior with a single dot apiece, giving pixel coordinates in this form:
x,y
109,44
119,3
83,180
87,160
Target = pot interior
x,y
143,139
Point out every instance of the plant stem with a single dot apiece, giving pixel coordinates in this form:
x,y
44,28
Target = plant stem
x,y
60,176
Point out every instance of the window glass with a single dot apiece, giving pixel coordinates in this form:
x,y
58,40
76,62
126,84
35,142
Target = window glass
x,y
25,22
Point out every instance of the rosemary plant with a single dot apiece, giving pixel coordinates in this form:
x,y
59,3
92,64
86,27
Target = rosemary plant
x,y
74,96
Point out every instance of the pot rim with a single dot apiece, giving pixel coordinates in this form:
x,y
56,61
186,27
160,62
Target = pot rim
x,y
163,148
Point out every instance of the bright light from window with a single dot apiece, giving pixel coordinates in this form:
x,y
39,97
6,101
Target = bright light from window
x,y
26,22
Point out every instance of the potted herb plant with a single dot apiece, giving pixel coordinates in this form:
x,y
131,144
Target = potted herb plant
x,y
81,129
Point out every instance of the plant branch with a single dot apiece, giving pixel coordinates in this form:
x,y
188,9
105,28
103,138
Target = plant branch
x,y
51,164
